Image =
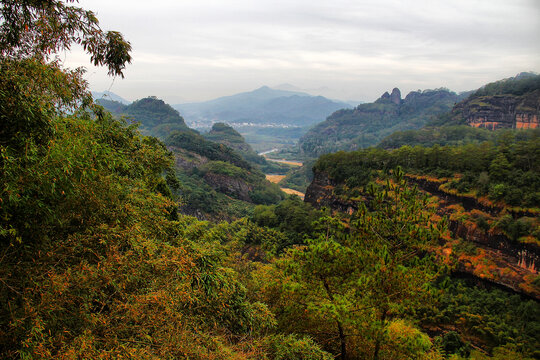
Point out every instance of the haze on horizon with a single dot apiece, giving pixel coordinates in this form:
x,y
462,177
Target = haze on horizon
x,y
187,51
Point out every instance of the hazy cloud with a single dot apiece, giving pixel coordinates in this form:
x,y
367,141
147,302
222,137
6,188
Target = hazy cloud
x,y
187,50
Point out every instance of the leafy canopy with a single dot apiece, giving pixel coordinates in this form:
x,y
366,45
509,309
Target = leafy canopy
x,y
41,28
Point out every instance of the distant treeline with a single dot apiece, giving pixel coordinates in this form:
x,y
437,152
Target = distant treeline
x,y
506,169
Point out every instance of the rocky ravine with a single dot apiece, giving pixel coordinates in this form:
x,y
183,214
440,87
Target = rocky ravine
x,y
496,259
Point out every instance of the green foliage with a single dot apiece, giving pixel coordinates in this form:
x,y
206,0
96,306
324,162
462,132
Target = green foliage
x,y
237,177
352,279
495,99
516,228
291,216
40,29
367,124
429,136
162,131
32,93
515,86
152,112
491,317
112,106
224,168
272,167
107,265
291,347
506,170
41,189
405,338
198,144
266,193
452,343
299,178
224,134
95,262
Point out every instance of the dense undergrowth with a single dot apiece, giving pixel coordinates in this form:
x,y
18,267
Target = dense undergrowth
x,y
97,262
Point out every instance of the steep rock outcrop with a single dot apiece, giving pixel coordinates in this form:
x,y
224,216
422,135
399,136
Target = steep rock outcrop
x,y
320,193
499,260
502,111
395,97
187,160
229,185
512,103
523,255
367,124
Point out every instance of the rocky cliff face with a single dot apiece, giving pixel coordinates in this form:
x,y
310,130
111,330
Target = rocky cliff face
x,y
320,193
500,111
229,185
187,160
497,259
395,97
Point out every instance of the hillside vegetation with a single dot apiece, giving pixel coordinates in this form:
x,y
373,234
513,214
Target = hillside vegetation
x,y
156,117
97,261
367,124
228,186
489,193
512,103
225,134
217,182
506,170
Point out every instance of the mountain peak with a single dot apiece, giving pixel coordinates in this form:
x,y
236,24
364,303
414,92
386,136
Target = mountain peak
x,y
525,75
385,96
109,95
264,105
263,88
395,97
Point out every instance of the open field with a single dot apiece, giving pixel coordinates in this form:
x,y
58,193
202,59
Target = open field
x,y
277,178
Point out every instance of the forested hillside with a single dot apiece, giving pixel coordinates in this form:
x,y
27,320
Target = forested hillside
x,y
488,195
224,134
512,103
367,124
156,117
97,260
217,182
489,192
220,173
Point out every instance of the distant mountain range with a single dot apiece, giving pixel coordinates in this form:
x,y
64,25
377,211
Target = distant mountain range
x,y
109,95
323,91
262,106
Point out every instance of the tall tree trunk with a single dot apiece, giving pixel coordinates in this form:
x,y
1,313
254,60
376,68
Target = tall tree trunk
x,y
343,355
341,333
378,340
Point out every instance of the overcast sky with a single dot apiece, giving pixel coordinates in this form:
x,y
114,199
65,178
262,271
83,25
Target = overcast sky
x,y
345,49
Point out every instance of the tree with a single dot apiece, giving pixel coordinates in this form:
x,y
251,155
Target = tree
x,y
499,167
35,91
33,87
354,280
40,28
92,264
